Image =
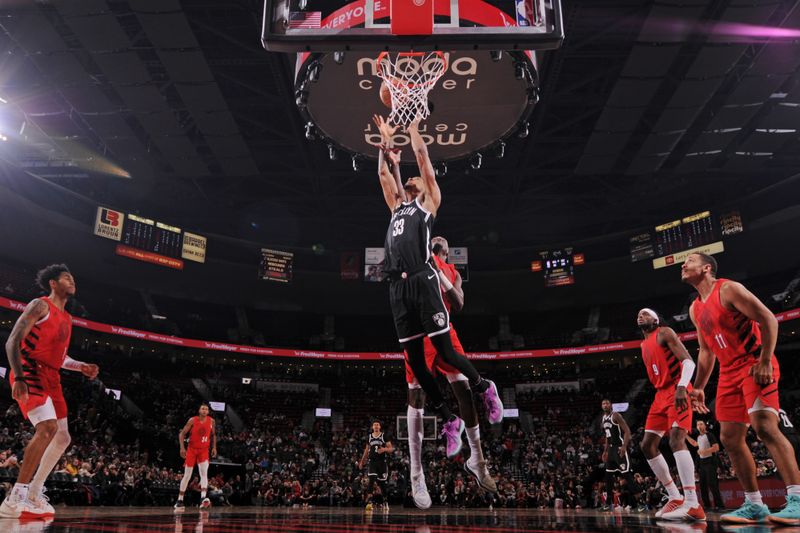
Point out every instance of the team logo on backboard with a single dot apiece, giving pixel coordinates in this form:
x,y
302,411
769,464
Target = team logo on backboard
x,y
439,318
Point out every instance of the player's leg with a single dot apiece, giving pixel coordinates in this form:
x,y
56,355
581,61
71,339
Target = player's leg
x,y
609,485
43,418
436,322
52,454
416,360
656,426
188,468
484,387
202,467
732,437
415,413
691,509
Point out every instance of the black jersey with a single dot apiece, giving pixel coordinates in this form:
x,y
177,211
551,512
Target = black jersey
x,y
374,444
612,430
408,238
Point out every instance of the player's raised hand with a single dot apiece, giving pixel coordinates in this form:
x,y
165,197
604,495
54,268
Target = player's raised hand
x,y
414,126
394,156
386,130
699,401
89,370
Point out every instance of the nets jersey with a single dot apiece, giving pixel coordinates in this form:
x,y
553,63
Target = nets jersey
x,y
734,338
663,368
376,442
408,238
612,430
200,434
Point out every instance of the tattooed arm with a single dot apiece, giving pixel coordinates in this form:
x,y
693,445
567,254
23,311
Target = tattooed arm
x,y
35,311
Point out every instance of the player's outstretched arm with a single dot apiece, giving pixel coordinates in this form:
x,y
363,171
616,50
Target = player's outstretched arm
x,y
393,192
433,195
33,312
737,296
705,365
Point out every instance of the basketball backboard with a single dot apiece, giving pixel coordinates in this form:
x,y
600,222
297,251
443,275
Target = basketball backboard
x,y
403,25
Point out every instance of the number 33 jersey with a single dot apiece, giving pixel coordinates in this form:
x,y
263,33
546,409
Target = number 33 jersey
x,y
408,238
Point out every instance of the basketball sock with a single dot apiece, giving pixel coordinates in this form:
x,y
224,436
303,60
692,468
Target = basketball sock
x,y
793,490
683,460
481,386
50,458
754,497
609,489
474,439
415,436
660,468
180,497
203,468
187,477
19,492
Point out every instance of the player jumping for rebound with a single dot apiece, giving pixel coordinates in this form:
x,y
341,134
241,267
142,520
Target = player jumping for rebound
x,y
37,350
453,294
736,328
415,293
670,369
202,435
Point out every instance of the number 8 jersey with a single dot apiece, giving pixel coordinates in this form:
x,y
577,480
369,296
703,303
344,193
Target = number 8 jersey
x,y
408,238
730,335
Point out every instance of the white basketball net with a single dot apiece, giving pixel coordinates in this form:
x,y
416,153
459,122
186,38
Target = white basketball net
x,y
410,77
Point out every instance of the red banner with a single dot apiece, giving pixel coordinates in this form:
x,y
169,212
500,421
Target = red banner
x,y
350,356
149,257
773,490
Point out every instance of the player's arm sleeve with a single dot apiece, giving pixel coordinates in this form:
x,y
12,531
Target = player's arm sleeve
x,y
72,364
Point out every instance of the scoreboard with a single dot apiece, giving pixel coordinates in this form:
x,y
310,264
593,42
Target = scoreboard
x,y
152,236
275,265
672,241
558,266
149,240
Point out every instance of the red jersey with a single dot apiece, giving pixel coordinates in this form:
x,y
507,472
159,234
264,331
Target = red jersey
x,y
450,272
734,338
48,340
200,434
663,368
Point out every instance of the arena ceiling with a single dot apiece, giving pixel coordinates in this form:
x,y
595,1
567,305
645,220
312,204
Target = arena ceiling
x,y
647,112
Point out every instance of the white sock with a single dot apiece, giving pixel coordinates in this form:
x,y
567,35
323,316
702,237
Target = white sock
x,y
187,477
793,490
474,439
19,492
683,460
660,468
203,468
415,441
50,458
754,497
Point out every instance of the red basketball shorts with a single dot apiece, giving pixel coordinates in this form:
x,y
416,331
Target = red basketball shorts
x,y
738,394
435,363
663,415
195,456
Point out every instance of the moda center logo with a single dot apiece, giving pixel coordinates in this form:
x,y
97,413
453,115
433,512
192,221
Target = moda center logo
x,y
477,101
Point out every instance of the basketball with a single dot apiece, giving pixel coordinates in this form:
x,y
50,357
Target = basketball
x,y
386,96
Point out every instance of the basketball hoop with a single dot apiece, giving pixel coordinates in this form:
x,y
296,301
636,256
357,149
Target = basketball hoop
x,y
410,76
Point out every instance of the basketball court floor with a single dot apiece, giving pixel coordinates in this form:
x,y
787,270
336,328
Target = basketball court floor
x,y
246,519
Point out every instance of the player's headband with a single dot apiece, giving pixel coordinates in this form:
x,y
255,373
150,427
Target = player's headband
x,y
650,312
